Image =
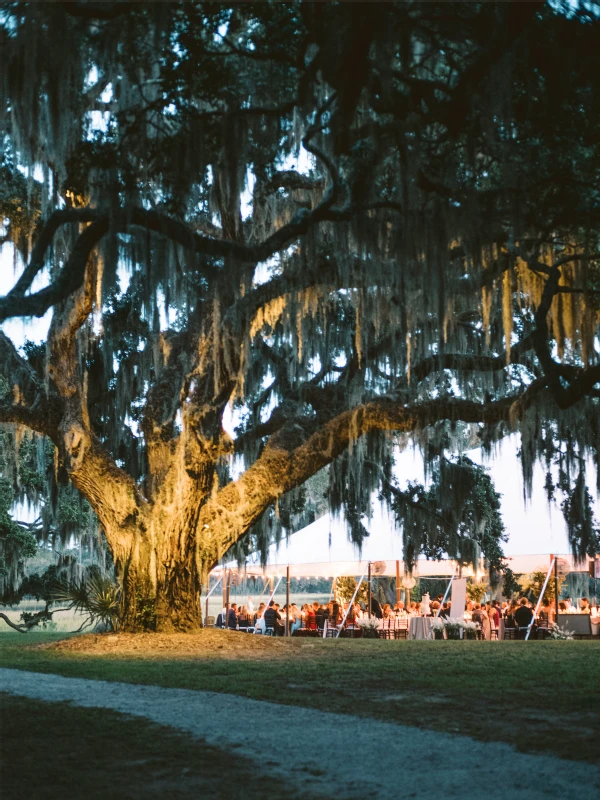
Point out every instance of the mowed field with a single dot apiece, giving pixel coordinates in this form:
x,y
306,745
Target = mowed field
x,y
538,696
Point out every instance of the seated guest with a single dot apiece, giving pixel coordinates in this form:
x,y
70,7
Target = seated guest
x,y
562,607
243,618
523,615
376,610
386,611
320,615
584,606
434,607
220,621
335,616
445,612
399,609
232,620
272,618
310,619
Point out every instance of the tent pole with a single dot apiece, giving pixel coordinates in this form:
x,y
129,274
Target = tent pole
x,y
369,603
539,602
227,593
362,577
397,582
555,588
446,592
209,594
287,601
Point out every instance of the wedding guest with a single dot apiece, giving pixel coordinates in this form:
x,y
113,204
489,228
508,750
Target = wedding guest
x,y
320,615
495,613
546,614
584,606
523,615
335,616
399,609
310,620
243,618
232,620
272,618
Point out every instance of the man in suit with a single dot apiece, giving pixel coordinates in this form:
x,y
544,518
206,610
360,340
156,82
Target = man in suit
x,y
232,620
273,618
523,616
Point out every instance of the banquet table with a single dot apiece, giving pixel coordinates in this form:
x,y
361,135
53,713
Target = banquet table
x,y
420,627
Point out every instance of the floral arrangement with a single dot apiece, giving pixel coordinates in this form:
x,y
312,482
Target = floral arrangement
x,y
437,628
368,626
559,633
453,627
470,629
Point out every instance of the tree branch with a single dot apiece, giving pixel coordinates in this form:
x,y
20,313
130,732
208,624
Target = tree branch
x,y
225,517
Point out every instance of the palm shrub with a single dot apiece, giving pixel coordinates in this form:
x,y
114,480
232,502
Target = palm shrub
x,y
95,595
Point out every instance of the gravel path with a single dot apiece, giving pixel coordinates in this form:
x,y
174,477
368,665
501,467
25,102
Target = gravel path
x,y
335,755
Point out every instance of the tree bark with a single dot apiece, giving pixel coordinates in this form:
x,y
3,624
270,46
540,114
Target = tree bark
x,y
162,597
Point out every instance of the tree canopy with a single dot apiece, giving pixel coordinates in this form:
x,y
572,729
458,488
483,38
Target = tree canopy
x,y
356,223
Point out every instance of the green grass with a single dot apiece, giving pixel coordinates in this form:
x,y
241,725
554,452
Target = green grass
x,y
539,696
54,751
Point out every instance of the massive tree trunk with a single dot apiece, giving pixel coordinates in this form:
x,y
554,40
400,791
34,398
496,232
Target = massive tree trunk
x,y
162,596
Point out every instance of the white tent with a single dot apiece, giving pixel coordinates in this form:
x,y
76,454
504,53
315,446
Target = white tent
x,y
307,553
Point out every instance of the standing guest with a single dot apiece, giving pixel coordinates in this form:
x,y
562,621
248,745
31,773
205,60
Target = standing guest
x,y
523,615
445,612
232,620
546,614
481,618
495,613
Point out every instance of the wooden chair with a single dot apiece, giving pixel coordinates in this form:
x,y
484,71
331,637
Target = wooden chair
x,y
401,628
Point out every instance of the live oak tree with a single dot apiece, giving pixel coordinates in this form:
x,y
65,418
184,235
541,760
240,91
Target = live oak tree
x,y
354,223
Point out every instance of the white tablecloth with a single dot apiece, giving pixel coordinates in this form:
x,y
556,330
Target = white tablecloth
x,y
420,627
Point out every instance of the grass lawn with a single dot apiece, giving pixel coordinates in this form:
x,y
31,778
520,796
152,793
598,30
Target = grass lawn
x,y
539,696
54,751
